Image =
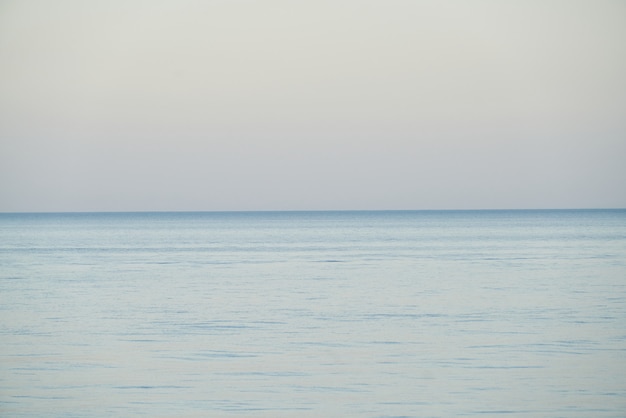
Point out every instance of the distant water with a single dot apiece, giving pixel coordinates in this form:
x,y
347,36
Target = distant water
x,y
313,314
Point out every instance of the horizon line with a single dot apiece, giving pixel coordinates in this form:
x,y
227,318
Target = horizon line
x,y
305,210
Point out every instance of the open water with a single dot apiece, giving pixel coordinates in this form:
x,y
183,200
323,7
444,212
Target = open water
x,y
313,314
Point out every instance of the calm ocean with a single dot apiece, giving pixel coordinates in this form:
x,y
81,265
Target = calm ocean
x,y
313,314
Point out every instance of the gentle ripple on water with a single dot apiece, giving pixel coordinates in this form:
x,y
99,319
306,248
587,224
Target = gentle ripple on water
x,y
375,314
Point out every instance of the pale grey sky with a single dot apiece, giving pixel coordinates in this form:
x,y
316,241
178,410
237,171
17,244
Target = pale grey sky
x,y
285,104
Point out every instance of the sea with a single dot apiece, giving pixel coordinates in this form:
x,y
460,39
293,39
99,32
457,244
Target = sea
x,y
313,314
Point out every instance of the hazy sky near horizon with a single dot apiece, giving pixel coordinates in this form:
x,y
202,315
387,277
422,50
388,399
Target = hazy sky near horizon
x,y
342,104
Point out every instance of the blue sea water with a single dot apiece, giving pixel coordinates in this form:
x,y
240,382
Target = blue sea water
x,y
313,314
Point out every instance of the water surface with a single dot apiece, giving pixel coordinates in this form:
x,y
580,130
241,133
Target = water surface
x,y
313,314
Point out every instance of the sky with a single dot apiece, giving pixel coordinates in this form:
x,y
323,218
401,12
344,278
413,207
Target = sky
x,y
129,105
